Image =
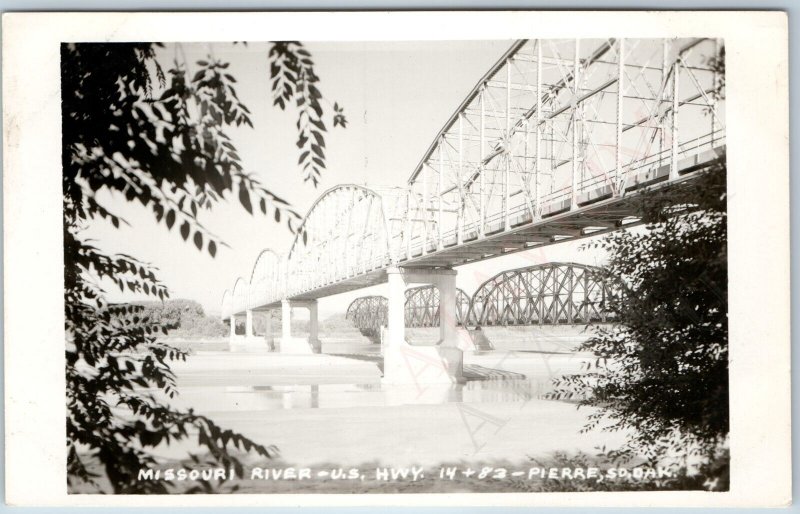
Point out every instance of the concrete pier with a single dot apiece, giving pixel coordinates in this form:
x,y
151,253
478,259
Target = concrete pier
x,y
406,363
291,344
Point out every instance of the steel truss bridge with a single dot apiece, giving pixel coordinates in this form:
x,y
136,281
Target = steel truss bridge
x,y
421,309
545,294
555,142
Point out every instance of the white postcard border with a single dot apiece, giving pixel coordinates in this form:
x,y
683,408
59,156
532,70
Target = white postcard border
x,y
758,183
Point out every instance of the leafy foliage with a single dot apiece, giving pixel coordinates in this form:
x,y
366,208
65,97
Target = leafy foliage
x,y
662,371
173,155
292,75
717,63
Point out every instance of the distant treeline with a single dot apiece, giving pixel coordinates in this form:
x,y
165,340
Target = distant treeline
x,y
186,319
183,318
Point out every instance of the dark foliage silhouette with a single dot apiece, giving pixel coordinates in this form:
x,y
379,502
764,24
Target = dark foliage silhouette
x,y
661,371
159,139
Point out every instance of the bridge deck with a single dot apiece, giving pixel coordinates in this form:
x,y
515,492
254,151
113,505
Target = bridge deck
x,y
598,214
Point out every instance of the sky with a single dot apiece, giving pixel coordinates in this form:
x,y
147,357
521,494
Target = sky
x,y
396,96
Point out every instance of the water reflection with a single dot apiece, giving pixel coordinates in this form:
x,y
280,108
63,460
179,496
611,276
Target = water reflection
x,y
331,396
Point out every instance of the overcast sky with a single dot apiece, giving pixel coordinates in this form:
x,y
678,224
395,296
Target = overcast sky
x,y
396,97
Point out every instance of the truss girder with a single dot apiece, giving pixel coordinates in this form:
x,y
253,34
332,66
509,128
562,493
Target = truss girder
x,y
267,280
368,313
422,306
553,143
421,309
239,296
545,294
558,123
344,235
227,305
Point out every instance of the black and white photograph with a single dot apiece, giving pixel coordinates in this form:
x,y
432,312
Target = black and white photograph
x,y
396,267
559,243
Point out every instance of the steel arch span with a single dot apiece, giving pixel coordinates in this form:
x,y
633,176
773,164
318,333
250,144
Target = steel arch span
x,y
344,235
267,280
368,313
422,306
421,309
239,299
227,305
545,294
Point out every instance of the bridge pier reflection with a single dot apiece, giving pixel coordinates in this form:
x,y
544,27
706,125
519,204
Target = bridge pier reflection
x,y
407,363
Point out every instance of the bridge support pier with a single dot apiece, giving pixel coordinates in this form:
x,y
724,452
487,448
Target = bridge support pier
x,y
405,363
249,332
249,336
268,337
236,338
293,344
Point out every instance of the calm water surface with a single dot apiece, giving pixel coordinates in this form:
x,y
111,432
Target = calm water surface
x,y
336,396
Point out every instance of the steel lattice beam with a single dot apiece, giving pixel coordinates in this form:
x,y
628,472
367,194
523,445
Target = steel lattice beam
x,y
553,143
422,306
421,309
545,294
368,313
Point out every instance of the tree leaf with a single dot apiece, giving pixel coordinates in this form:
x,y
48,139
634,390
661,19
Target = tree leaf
x,y
244,198
170,218
185,229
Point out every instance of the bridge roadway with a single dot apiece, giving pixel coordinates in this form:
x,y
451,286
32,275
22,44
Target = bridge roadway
x,y
556,142
595,217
